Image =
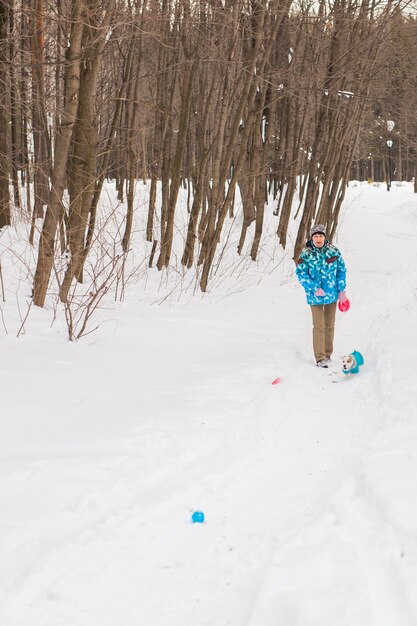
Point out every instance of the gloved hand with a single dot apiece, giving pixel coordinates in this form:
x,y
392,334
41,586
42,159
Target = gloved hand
x,y
319,292
342,296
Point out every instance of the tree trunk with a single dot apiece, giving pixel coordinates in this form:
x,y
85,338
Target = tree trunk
x,y
5,216
13,111
64,133
166,243
82,170
39,117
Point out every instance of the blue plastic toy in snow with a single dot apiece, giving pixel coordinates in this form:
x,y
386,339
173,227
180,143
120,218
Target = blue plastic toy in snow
x,y
197,517
352,362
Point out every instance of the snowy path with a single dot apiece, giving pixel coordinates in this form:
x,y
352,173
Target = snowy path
x,y
299,481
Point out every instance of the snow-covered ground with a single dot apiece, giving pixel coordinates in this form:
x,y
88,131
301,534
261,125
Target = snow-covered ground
x,y
309,487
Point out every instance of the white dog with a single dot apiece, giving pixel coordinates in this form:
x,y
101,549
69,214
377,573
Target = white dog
x,y
348,363
352,362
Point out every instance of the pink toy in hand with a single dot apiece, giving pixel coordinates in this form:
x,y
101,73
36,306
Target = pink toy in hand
x,y
344,305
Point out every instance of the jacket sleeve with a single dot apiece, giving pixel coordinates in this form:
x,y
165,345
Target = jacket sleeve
x,y
303,276
341,274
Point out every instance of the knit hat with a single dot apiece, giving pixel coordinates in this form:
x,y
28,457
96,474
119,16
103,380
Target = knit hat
x,y
318,229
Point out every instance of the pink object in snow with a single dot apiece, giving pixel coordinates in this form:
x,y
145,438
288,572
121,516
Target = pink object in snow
x,y
344,306
276,381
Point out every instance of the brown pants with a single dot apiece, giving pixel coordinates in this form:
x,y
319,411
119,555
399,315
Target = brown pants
x,y
323,329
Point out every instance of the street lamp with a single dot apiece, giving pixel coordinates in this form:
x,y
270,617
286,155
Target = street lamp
x,y
389,144
390,128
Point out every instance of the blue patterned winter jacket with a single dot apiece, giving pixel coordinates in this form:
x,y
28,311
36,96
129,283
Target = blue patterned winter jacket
x,y
321,267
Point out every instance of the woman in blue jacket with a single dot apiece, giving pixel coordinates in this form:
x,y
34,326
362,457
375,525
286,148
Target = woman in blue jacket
x,y
322,272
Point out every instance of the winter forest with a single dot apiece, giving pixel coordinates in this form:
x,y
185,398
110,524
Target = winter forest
x,y
273,100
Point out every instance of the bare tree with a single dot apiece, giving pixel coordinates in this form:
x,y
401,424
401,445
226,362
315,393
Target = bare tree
x,y
41,137
82,164
54,213
5,216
